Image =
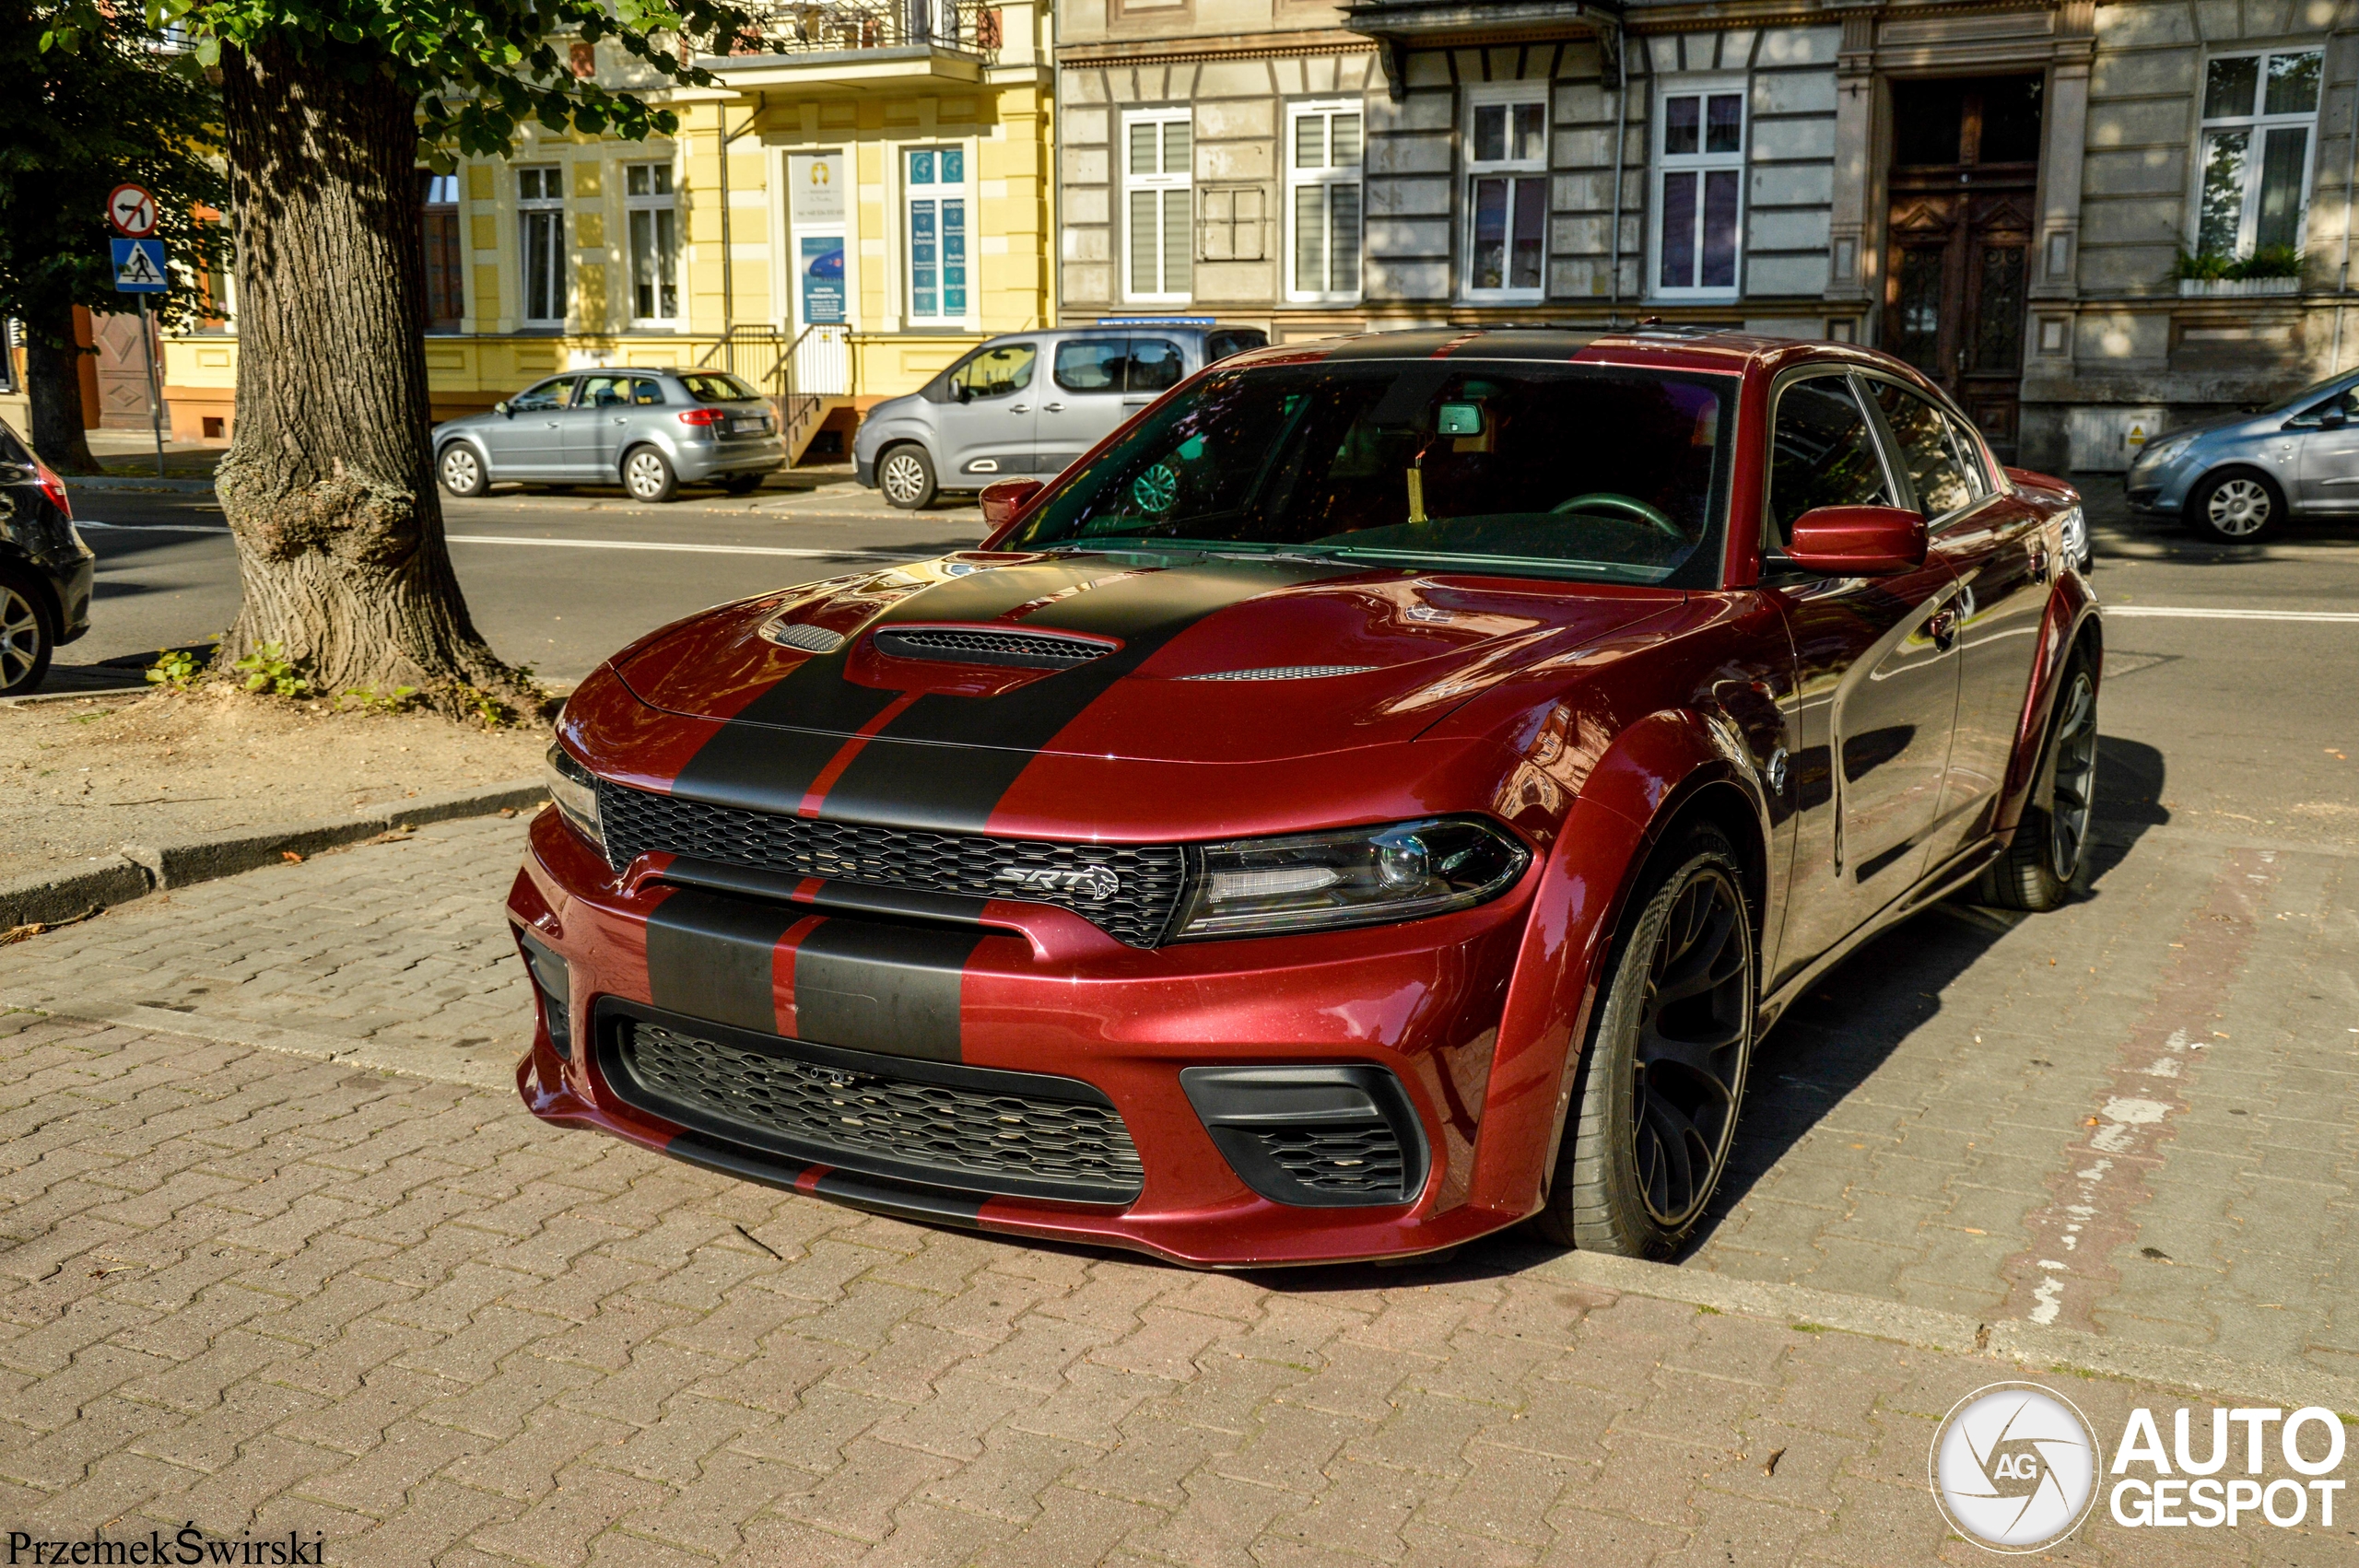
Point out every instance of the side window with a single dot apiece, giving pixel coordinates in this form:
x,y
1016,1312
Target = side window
x,y
1969,458
1922,433
604,391
1823,455
1090,364
645,392
1001,370
1220,344
1156,366
542,398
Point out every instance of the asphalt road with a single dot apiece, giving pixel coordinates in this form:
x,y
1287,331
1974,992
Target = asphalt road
x,y
556,581
2229,698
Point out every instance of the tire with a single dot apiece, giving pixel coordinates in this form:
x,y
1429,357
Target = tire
x,y
647,475
741,484
27,635
1663,1076
462,471
2043,864
905,475
2239,505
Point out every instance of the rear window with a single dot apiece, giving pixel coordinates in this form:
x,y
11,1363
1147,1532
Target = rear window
x,y
714,386
1235,340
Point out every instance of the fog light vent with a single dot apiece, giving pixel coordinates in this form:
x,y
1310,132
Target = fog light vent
x,y
1313,1137
550,980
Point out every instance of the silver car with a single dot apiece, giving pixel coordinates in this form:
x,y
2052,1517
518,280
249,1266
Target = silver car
x,y
651,430
1029,403
2235,479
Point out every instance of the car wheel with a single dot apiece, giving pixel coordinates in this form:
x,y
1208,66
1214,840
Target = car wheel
x,y
462,471
647,475
27,636
905,475
741,484
1654,1109
2239,507
2039,867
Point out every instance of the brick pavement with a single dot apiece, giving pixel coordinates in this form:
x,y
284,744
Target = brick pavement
x,y
268,1293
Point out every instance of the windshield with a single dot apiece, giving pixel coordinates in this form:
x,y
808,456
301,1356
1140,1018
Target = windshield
x,y
1555,470
2315,390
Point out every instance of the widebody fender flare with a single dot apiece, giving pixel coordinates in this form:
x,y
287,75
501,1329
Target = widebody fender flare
x,y
1644,782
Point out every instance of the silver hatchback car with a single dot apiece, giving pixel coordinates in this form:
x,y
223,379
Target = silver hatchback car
x,y
1030,403
2235,479
651,430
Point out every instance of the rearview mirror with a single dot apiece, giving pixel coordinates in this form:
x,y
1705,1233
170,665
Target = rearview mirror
x,y
1002,500
1857,540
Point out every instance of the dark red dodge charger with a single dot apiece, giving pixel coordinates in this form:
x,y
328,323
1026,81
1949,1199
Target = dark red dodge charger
x,y
1379,796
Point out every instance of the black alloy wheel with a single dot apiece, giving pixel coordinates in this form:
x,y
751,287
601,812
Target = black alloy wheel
x,y
2039,869
1655,1108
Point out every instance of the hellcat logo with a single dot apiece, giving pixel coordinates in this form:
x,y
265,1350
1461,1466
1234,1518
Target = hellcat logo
x,y
2014,1467
1089,882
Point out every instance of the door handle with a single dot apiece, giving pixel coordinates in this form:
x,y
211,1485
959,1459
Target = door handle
x,y
2039,562
1053,407
1019,408
620,420
1136,402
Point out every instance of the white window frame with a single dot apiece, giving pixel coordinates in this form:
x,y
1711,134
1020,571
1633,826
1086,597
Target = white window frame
x,y
1131,183
1489,94
1702,164
1325,178
530,211
961,189
656,205
2258,124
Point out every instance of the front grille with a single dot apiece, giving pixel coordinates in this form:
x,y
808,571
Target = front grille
x,y
1359,1161
995,1132
1146,878
1037,650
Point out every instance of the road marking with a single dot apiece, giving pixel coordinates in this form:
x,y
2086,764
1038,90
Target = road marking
x,y
2161,612
568,544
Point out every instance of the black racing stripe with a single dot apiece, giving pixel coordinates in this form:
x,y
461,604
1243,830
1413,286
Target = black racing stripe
x,y
901,1199
1000,735
1421,344
767,757
889,988
709,956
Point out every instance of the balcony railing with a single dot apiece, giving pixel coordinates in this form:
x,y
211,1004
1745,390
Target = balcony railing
x,y
959,27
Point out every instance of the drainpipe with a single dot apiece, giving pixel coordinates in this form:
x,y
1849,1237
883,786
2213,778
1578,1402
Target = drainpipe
x,y
1621,140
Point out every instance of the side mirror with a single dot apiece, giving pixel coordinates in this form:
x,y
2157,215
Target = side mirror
x,y
1002,500
502,407
1857,540
963,391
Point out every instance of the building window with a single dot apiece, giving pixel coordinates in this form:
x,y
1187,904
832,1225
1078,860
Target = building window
x,y
655,243
1506,191
540,217
1156,161
1699,191
446,299
1323,206
937,216
2259,113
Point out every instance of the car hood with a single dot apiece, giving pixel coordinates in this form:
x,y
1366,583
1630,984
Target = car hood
x,y
1195,658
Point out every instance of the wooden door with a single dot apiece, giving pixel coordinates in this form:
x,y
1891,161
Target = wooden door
x,y
1959,242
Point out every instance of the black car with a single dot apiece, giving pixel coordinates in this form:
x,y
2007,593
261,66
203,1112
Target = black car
x,y
45,569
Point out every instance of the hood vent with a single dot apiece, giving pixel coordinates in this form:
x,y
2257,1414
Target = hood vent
x,y
1285,672
804,639
974,645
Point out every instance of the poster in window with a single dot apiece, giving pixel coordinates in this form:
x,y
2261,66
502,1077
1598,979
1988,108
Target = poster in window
x,y
823,280
816,184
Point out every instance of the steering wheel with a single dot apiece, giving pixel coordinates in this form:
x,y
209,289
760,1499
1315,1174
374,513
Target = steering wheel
x,y
1630,506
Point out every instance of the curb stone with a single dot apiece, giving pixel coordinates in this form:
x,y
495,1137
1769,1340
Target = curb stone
x,y
56,893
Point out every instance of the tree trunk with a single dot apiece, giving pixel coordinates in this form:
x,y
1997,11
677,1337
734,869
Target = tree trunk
x,y
53,387
327,484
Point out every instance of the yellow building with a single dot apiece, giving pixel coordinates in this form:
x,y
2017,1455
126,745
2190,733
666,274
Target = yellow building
x,y
864,196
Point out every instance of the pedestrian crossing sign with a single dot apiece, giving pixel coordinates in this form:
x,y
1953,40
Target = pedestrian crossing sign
x,y
139,267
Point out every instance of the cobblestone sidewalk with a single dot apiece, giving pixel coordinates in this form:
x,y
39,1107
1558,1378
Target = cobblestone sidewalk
x,y
270,1294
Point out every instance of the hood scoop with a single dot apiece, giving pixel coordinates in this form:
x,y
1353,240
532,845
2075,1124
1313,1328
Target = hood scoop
x,y
1285,672
805,638
990,645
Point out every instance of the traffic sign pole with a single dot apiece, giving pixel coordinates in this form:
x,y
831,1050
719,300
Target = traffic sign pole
x,y
155,396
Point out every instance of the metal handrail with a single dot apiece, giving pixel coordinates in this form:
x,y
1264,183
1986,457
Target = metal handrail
x,y
812,26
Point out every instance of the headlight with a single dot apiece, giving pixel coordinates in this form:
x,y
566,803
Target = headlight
x,y
2073,525
2160,452
575,791
1360,876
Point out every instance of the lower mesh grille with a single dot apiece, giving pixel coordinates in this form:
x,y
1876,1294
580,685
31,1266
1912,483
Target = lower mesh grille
x,y
1356,1162
976,1130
